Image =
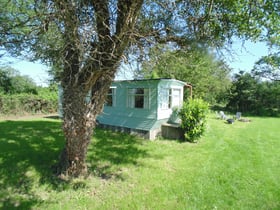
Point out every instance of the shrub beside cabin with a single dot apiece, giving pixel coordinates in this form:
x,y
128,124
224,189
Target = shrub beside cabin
x,y
140,106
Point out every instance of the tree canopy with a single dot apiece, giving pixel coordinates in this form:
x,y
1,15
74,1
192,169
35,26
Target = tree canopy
x,y
40,27
268,67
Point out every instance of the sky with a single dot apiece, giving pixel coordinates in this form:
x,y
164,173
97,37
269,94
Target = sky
x,y
243,57
36,71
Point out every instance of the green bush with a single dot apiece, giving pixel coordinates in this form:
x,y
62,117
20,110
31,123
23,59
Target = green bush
x,y
193,118
46,101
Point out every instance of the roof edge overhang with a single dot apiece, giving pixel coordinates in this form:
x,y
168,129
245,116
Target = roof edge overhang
x,y
158,79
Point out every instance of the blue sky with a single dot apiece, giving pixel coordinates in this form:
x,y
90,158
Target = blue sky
x,y
243,57
36,71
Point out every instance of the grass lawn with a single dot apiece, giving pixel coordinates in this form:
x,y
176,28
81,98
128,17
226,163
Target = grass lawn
x,y
232,167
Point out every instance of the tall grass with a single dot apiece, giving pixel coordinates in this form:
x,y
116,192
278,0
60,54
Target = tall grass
x,y
232,167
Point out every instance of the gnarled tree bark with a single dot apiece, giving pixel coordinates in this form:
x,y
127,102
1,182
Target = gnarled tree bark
x,y
91,73
79,121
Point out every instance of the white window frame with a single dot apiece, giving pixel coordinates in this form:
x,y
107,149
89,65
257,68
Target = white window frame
x,y
113,96
172,96
167,97
164,98
132,96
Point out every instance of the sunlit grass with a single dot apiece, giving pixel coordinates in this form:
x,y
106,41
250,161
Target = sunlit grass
x,y
232,167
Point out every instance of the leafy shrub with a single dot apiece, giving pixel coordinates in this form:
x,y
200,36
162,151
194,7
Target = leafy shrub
x,y
46,101
193,118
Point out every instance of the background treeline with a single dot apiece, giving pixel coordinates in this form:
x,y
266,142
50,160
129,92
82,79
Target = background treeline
x,y
20,95
253,95
256,92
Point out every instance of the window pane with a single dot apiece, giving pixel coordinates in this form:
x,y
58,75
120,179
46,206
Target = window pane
x,y
110,97
109,100
139,101
170,99
176,97
138,98
164,98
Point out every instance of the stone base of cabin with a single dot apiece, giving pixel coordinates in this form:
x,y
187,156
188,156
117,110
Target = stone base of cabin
x,y
167,130
172,131
151,135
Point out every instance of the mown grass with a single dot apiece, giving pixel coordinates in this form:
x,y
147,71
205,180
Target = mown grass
x,y
232,167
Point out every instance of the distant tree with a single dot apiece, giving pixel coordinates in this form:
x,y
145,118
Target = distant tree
x,y
86,41
5,81
12,82
209,76
249,94
242,93
23,84
268,98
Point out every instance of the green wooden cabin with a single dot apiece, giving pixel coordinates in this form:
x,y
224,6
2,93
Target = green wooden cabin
x,y
141,106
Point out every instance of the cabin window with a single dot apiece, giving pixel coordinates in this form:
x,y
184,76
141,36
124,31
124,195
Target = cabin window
x,y
170,98
111,97
174,98
138,98
164,98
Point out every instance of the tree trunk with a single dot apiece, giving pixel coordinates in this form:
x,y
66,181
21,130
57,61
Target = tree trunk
x,y
79,119
89,66
78,125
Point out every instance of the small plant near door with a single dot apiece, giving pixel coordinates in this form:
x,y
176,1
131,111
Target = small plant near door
x,y
193,117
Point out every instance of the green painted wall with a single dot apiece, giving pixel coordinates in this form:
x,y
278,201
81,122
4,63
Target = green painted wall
x,y
124,116
138,118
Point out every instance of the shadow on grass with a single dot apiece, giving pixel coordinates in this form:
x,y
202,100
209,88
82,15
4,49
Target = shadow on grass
x,y
28,149
110,151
